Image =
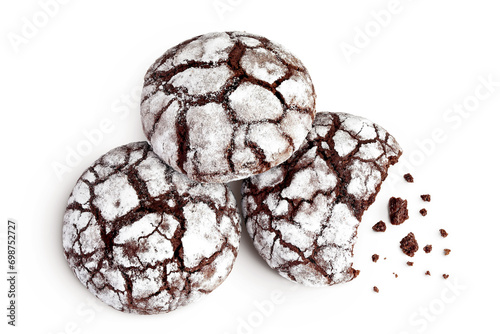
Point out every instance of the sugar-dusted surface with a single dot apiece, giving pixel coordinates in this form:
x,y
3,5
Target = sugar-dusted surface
x,y
303,215
225,106
144,238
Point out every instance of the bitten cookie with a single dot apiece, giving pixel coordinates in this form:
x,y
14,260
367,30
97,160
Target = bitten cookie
x,y
144,238
303,215
225,106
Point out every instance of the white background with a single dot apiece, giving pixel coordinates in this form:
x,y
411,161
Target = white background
x,y
85,64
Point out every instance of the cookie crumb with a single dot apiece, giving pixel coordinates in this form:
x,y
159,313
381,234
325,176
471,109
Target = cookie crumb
x,y
395,275
410,264
379,227
356,273
445,276
428,249
398,210
408,177
426,198
423,212
428,273
376,289
444,234
409,244
447,251
375,257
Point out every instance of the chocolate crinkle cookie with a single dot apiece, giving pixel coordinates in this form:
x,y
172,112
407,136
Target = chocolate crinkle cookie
x,y
303,215
144,238
225,106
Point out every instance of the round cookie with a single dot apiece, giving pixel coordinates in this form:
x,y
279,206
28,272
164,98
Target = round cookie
x,y
144,238
225,106
303,215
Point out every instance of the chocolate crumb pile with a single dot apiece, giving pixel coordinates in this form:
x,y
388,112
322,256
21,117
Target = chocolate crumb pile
x,y
379,227
398,214
398,210
409,245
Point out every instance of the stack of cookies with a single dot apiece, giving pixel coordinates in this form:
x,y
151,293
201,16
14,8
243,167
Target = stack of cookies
x,y
151,226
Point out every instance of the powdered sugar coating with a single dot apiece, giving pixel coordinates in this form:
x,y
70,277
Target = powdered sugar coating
x,y
303,215
253,100
146,239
